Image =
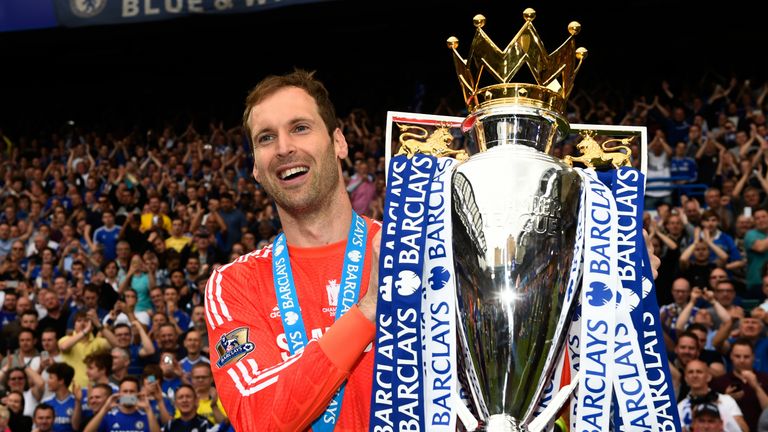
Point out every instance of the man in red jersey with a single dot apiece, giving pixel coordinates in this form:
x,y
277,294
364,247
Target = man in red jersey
x,y
279,353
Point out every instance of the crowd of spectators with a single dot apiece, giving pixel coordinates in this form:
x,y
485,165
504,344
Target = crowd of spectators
x,y
107,242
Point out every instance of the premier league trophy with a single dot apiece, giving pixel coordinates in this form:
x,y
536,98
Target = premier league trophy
x,y
515,210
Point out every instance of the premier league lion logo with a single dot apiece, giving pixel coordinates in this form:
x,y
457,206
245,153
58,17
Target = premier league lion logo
x,y
228,344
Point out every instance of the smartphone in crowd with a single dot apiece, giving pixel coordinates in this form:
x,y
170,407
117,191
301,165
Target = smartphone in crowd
x,y
129,400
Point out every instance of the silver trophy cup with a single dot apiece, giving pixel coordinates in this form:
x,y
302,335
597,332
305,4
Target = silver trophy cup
x,y
515,210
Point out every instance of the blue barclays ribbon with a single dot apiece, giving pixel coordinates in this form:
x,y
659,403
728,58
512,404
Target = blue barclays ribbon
x,y
288,302
598,306
654,352
397,397
439,308
633,407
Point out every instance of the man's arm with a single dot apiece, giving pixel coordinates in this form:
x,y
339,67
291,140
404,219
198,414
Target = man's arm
x,y
147,347
143,404
93,425
77,413
288,394
751,242
218,415
753,382
682,318
67,342
262,382
36,382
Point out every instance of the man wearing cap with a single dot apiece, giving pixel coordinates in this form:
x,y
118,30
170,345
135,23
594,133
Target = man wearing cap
x,y
697,377
706,418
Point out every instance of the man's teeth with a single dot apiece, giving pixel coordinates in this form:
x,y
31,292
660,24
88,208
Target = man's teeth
x,y
287,173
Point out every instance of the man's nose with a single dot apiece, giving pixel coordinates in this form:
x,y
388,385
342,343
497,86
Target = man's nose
x,y
286,143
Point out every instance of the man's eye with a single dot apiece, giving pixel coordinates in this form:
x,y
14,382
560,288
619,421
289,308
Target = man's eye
x,y
263,139
301,128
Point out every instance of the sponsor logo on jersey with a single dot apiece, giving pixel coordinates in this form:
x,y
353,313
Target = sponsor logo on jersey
x,y
233,346
332,289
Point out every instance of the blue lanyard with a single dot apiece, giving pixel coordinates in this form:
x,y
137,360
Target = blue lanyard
x,y
288,302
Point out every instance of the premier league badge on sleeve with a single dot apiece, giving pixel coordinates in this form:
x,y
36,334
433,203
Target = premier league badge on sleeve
x,y
233,346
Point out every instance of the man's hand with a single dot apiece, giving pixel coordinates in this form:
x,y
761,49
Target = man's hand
x,y
367,304
143,403
77,392
214,395
655,261
696,294
750,378
734,392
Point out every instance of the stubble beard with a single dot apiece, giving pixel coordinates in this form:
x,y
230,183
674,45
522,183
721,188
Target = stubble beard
x,y
313,196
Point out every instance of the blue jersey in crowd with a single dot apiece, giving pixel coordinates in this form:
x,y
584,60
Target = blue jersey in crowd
x,y
108,238
118,421
62,410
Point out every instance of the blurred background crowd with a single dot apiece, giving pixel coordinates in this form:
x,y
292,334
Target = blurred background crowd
x,y
112,216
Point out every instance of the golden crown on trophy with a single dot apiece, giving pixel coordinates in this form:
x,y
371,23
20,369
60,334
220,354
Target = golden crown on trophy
x,y
486,63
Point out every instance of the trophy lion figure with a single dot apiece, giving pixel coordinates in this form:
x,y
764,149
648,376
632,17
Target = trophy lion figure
x,y
435,144
595,155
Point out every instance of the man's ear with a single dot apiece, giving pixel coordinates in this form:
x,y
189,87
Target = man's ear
x,y
340,144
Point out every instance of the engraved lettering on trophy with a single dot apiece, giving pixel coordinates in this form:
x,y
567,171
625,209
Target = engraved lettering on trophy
x,y
544,216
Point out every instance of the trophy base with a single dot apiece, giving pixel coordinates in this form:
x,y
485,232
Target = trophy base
x,y
502,423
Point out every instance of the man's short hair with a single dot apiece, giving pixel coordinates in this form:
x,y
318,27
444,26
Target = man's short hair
x,y
30,312
691,335
300,79
26,330
79,315
101,360
743,342
697,326
710,214
93,288
63,371
131,378
42,407
106,387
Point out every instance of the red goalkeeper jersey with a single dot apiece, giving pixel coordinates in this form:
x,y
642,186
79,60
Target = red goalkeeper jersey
x,y
263,387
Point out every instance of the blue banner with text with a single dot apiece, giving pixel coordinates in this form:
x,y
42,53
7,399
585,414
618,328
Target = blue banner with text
x,y
30,14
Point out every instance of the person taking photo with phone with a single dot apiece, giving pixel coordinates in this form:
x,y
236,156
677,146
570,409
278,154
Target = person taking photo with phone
x,y
126,410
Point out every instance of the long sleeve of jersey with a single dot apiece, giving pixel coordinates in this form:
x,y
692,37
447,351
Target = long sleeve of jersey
x,y
262,387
